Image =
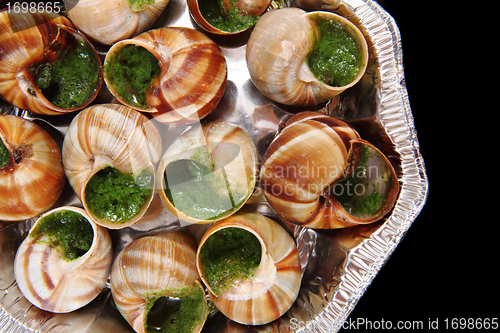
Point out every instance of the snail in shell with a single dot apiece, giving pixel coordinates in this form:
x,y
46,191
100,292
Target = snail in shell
x,y
227,17
64,262
109,157
251,267
303,58
177,74
108,21
46,66
318,173
31,170
155,284
208,173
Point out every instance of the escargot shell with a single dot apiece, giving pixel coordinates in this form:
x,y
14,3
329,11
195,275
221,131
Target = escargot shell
x,y
318,173
153,267
274,285
53,283
108,21
192,79
276,56
31,174
28,40
225,163
111,135
216,17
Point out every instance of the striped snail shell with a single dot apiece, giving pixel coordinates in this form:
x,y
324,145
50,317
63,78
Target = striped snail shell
x,y
102,139
52,282
274,278
277,53
108,21
30,44
156,269
31,170
318,173
191,74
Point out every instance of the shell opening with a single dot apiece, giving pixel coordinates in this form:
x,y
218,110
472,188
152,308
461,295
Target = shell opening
x,y
230,257
117,197
139,5
67,231
179,310
4,154
130,72
229,15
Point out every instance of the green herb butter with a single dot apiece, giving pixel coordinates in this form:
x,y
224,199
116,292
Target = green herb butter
x,y
228,255
131,70
335,58
116,196
139,4
180,312
67,231
4,155
230,20
72,79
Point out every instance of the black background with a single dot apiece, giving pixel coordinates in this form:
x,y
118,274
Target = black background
x,y
445,267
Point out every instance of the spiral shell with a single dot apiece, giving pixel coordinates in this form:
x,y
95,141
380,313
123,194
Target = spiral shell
x,y
152,267
221,8
276,56
108,21
275,284
318,173
192,79
232,159
28,40
33,178
55,284
110,135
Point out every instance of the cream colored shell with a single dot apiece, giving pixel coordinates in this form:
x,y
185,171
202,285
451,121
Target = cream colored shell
x,y
231,153
276,283
20,50
148,265
54,284
193,74
108,21
276,57
109,135
34,178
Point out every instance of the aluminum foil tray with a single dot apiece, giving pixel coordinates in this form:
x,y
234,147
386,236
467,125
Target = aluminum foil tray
x,y
337,265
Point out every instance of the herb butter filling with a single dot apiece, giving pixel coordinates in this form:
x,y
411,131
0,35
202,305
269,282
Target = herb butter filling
x,y
194,189
4,155
335,58
180,312
72,79
229,255
230,20
115,196
67,231
131,71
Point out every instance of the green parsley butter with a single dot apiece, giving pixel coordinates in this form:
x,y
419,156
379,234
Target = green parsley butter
x,y
115,196
335,58
4,155
231,20
228,255
67,231
72,79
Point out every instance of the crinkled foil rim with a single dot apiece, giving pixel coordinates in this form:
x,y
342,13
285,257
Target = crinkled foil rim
x,y
337,265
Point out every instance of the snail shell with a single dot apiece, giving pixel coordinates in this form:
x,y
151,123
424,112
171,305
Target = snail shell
x,y
224,149
33,178
275,284
318,173
29,40
276,56
110,135
108,21
55,284
245,7
192,79
151,267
